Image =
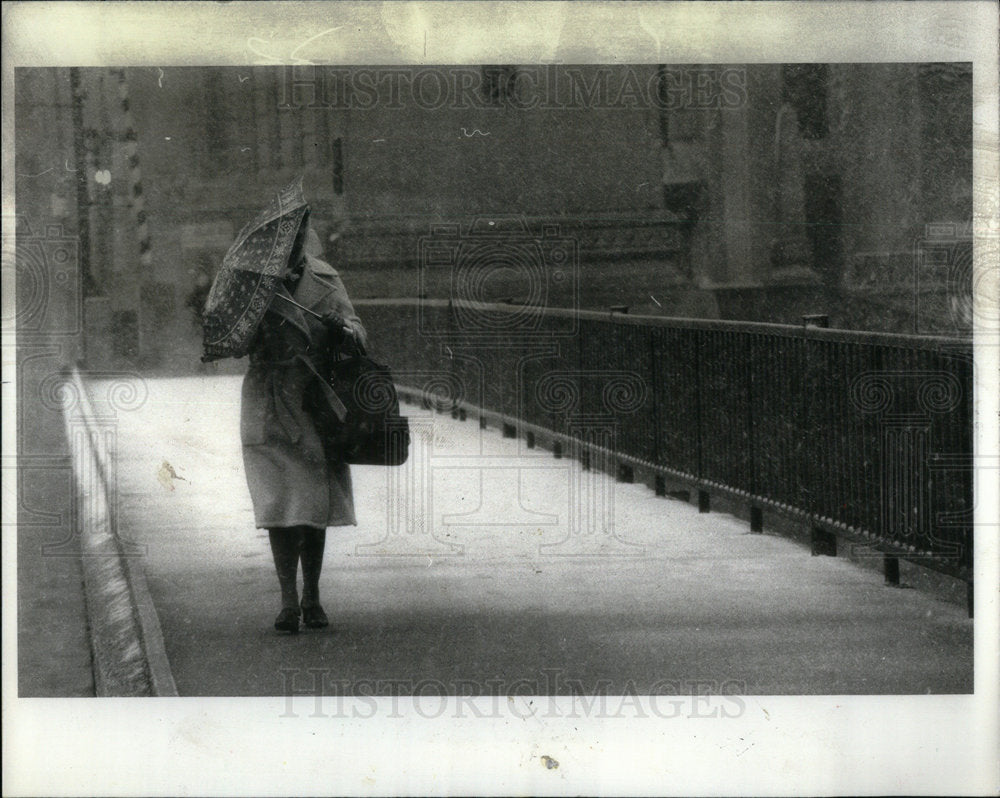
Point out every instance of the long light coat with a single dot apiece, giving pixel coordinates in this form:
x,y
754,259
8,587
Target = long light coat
x,y
293,478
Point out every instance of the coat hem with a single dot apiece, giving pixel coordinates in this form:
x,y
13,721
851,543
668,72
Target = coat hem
x,y
283,524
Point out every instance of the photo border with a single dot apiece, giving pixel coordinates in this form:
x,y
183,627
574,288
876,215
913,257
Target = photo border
x,y
782,745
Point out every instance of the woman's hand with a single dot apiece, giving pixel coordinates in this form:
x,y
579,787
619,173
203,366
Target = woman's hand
x,y
337,327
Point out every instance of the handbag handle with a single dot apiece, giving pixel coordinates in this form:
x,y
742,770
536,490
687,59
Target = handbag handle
x,y
359,348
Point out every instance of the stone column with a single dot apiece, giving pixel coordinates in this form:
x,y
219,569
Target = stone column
x,y
736,190
789,248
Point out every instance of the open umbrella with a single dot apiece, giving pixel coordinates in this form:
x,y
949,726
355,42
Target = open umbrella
x,y
250,274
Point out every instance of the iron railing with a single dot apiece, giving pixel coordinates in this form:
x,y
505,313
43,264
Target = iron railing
x,y
865,435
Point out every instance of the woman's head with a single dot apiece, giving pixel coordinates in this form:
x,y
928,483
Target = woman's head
x,y
311,244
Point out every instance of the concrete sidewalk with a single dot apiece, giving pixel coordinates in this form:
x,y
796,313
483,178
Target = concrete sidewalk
x,y
467,573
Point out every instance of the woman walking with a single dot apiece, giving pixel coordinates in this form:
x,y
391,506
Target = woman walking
x,y
298,485
276,300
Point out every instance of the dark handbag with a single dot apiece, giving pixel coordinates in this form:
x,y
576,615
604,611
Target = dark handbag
x,y
372,431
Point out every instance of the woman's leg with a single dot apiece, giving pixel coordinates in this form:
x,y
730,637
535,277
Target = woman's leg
x,y
313,544
285,545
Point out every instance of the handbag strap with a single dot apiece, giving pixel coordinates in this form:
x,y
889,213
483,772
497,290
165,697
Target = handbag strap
x,y
336,405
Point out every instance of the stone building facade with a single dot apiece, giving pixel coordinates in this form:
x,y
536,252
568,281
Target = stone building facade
x,y
760,192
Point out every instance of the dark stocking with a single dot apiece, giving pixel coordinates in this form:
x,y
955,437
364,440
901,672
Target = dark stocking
x,y
285,545
313,543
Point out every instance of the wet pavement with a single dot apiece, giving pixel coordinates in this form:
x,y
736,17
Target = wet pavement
x,y
484,567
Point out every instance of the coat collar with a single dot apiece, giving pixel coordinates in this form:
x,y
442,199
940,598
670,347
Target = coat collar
x,y
317,274
320,267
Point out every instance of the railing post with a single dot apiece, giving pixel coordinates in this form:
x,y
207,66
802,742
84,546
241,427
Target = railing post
x,y
756,519
824,544
704,501
890,567
816,320
699,401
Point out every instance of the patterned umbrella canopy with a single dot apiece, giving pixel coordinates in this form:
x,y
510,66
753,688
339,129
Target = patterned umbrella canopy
x,y
250,274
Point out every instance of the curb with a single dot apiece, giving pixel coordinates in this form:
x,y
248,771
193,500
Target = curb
x,y
125,635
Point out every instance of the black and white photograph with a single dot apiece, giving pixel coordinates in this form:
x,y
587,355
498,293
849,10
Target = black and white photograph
x,y
427,398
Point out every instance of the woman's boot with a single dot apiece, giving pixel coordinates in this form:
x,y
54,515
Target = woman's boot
x,y
313,544
285,545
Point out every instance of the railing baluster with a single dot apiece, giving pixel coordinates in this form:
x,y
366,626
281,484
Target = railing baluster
x,y
856,428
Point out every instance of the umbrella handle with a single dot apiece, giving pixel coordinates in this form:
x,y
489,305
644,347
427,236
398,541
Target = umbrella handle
x,y
300,307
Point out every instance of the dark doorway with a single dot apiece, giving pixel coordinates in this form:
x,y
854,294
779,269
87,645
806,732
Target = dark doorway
x,y
823,225
805,87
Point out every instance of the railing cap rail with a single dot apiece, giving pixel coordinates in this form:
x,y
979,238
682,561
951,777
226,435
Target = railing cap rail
x,y
674,322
